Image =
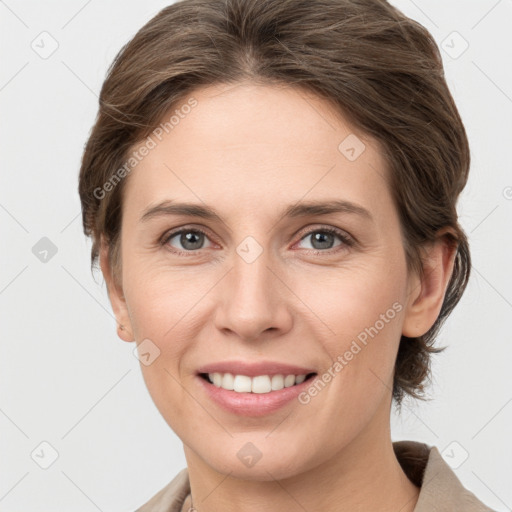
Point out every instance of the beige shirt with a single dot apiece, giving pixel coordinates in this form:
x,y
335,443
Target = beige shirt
x,y
440,489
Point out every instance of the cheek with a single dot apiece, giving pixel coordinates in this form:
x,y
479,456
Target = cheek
x,y
167,307
161,313
352,298
161,299
361,314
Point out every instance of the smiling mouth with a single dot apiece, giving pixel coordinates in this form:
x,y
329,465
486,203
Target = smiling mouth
x,y
258,385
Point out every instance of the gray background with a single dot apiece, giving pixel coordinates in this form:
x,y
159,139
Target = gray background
x,y
65,377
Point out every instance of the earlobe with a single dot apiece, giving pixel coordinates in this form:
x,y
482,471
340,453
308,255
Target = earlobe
x,y
124,334
426,295
116,296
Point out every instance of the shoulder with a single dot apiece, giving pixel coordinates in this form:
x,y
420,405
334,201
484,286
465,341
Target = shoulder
x,y
171,497
440,488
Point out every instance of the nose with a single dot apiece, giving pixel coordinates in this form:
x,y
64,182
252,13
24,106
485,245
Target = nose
x,y
253,301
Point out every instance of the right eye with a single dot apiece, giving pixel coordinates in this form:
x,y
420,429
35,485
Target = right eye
x,y
191,240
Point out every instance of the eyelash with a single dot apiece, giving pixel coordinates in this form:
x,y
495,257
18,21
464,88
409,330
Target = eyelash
x,y
347,241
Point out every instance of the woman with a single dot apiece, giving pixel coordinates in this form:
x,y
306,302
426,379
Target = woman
x,y
271,189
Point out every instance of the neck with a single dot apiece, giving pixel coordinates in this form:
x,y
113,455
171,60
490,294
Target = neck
x,y
364,475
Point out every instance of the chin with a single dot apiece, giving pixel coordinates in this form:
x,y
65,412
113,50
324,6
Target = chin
x,y
257,457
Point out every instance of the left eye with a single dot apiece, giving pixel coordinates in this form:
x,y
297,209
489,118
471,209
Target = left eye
x,y
324,238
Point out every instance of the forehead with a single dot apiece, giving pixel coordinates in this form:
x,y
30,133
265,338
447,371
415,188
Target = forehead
x,y
250,145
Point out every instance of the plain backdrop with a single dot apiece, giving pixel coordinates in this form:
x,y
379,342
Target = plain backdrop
x,y
72,397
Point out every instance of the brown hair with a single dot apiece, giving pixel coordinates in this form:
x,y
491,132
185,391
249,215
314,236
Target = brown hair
x,y
382,70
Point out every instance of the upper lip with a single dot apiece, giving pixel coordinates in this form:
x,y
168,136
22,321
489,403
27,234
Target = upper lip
x,y
252,369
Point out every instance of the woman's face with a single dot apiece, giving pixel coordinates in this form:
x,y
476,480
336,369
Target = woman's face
x,y
262,284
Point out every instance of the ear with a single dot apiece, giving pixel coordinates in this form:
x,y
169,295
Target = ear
x,y
115,294
426,295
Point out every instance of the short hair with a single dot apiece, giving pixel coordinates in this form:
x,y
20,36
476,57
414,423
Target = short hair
x,y
380,69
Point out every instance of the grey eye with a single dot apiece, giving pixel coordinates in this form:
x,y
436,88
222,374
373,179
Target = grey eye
x,y
322,239
190,239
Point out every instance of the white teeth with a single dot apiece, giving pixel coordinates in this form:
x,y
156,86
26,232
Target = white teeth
x,y
277,382
299,379
242,384
258,384
216,378
228,381
289,380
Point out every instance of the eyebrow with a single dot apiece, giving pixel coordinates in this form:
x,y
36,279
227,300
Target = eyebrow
x,y
301,209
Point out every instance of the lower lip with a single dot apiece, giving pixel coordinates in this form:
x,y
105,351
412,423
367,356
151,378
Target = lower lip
x,y
253,404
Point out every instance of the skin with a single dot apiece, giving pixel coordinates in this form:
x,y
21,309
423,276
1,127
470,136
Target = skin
x,y
248,151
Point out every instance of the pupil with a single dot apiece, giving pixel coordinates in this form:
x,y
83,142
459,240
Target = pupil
x,y
188,238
